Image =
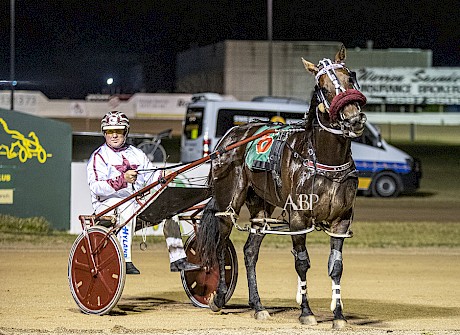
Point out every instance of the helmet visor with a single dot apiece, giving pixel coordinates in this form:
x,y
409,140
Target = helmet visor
x,y
113,127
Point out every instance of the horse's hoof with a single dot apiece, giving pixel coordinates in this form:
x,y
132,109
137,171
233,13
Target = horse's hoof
x,y
262,315
212,305
308,320
339,324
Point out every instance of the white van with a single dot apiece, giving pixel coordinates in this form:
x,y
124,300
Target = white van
x,y
384,170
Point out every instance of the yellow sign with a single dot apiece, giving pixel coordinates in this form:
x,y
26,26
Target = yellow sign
x,y
22,147
6,197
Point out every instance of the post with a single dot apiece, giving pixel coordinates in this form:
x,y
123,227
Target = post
x,y
389,131
270,46
12,54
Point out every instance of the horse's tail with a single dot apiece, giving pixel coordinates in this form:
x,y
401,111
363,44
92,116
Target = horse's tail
x,y
208,235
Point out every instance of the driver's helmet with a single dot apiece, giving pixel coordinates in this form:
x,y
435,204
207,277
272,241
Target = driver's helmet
x,y
115,120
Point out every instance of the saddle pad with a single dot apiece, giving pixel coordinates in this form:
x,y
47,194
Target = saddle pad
x,y
264,152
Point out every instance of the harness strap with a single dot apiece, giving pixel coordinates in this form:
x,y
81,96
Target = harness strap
x,y
330,168
264,230
316,166
330,130
348,234
329,69
327,66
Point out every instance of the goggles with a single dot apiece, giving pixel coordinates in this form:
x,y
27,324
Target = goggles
x,y
115,131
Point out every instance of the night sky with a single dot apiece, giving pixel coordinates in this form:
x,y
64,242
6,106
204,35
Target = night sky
x,y
69,48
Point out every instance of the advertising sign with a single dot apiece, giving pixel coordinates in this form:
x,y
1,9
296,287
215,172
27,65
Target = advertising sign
x,y
35,160
418,86
24,102
167,106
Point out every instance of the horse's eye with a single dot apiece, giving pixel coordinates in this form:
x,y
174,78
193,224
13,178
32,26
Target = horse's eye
x,y
327,94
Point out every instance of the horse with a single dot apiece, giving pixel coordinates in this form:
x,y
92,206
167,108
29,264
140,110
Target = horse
x,y
316,186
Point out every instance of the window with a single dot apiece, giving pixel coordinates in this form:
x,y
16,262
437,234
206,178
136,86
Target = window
x,y
193,123
368,138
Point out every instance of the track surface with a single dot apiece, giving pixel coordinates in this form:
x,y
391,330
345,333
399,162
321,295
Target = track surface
x,y
403,291
400,291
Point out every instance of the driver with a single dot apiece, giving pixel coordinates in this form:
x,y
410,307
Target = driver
x,y
112,176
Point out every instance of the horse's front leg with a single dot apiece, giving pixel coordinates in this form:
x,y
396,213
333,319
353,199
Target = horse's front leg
x,y
251,255
302,264
335,268
217,300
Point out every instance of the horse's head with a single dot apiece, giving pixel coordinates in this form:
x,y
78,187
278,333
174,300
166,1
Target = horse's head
x,y
339,100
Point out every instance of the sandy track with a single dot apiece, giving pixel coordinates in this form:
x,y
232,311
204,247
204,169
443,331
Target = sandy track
x,y
402,291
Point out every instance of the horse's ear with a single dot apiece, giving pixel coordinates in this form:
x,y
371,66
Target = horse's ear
x,y
310,67
341,54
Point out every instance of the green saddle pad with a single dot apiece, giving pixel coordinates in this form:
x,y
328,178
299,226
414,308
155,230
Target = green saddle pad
x,y
259,155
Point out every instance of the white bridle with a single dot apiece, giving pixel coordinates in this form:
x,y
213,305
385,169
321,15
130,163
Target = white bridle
x,y
328,68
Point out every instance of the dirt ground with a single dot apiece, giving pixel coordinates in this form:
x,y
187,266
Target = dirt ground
x,y
384,291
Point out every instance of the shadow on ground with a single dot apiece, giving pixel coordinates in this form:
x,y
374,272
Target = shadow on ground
x,y
357,311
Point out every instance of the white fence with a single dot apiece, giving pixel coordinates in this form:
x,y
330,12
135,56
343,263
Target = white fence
x,y
435,119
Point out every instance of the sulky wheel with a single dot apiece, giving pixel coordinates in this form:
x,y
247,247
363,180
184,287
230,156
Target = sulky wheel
x,y
199,285
96,293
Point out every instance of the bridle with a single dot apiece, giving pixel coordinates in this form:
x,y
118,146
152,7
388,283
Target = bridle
x,y
343,97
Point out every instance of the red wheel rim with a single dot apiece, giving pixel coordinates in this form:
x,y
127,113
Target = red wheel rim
x,y
96,293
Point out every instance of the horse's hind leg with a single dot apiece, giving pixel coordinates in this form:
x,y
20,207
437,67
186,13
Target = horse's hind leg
x,y
217,300
335,268
227,205
251,255
258,208
302,264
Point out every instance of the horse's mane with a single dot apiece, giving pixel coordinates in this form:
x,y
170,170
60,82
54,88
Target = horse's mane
x,y
311,117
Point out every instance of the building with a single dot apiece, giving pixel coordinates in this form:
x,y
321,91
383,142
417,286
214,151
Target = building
x,y
393,80
242,69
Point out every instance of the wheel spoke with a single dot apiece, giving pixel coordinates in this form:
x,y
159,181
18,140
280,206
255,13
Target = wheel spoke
x,y
81,266
113,258
90,288
106,285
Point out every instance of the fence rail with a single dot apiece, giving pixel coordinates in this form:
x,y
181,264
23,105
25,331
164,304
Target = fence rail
x,y
435,119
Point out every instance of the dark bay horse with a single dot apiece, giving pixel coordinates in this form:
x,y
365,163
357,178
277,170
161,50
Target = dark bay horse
x,y
316,187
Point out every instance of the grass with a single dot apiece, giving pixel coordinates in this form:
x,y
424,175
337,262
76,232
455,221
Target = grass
x,y
440,164
32,232
37,225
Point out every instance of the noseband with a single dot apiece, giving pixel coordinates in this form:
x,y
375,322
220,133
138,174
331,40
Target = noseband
x,y
342,98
